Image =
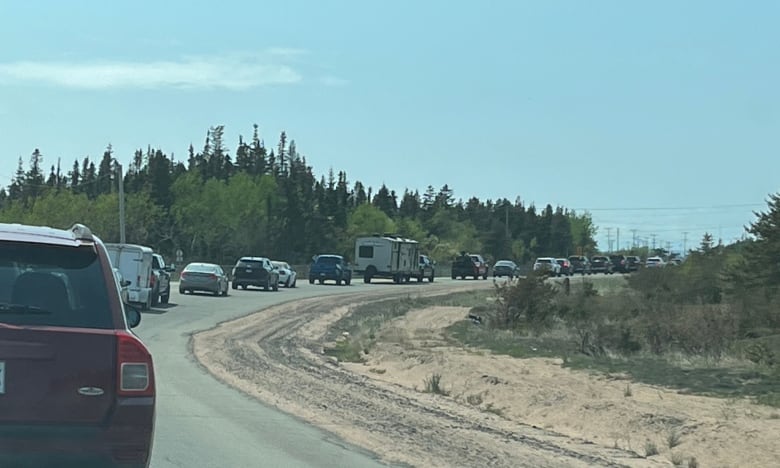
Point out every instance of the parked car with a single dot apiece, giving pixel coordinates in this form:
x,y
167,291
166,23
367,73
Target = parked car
x,y
427,269
77,386
619,263
255,271
330,267
466,265
287,275
580,264
207,277
634,262
122,284
506,268
161,291
566,267
601,264
654,262
547,264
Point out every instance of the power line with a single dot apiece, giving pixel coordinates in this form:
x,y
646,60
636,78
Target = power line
x,y
674,208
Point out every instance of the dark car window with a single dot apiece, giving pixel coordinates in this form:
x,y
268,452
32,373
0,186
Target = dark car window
x,y
328,260
249,263
53,286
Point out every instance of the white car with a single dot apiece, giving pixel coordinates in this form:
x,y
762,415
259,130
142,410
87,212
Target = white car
x,y
287,275
655,262
549,264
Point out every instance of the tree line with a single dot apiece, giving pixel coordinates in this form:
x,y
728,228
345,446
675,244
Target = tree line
x,y
216,206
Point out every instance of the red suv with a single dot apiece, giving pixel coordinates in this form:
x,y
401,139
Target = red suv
x,y
76,385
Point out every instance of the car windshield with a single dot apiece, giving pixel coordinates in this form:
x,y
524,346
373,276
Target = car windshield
x,y
327,260
52,286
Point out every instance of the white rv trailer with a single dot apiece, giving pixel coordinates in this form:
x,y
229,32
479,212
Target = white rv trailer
x,y
386,256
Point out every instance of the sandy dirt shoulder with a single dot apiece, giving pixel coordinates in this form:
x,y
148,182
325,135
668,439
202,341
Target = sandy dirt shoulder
x,y
500,411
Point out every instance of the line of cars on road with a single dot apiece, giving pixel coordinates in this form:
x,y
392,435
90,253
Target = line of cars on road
x,y
605,264
260,272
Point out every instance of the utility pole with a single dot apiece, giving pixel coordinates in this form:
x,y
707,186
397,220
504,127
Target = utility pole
x,y
609,239
653,236
633,238
618,238
685,242
121,202
506,219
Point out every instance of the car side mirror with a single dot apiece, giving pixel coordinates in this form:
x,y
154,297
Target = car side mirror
x,y
125,283
132,315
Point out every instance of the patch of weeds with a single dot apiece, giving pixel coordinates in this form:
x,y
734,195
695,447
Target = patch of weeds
x,y
627,392
769,399
432,384
651,449
474,400
364,321
376,370
517,344
346,351
673,438
677,459
492,409
717,381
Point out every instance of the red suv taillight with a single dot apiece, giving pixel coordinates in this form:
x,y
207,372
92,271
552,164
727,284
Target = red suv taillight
x,y
134,367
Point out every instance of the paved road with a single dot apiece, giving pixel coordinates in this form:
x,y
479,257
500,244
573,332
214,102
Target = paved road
x,y
204,423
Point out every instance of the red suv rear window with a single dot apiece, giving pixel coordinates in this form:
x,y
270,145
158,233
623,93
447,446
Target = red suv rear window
x,y
53,285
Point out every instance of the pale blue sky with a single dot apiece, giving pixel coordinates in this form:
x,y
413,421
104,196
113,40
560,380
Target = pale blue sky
x,y
591,105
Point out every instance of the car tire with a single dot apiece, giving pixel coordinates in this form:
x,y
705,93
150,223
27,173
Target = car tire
x,y
243,286
338,281
267,286
182,291
155,297
430,278
321,281
484,277
287,284
348,281
420,278
311,280
235,286
276,286
165,297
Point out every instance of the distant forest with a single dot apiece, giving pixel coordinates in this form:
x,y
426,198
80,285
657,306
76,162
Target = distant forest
x,y
217,206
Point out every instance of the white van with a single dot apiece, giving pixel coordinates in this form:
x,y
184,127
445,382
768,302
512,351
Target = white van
x,y
135,264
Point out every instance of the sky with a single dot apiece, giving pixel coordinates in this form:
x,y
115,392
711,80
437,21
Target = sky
x,y
661,119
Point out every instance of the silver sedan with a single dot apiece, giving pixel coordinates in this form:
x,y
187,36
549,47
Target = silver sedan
x,y
207,277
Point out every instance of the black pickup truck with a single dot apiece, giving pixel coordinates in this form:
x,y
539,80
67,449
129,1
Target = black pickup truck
x,y
466,265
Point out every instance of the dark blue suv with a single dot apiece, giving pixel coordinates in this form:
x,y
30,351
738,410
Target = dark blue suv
x,y
330,267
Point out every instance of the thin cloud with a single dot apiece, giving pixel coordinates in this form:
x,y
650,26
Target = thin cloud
x,y
235,72
333,81
286,51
